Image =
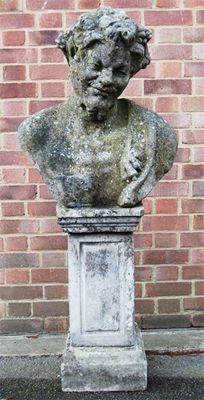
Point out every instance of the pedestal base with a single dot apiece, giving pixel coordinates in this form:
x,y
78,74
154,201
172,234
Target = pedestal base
x,y
96,369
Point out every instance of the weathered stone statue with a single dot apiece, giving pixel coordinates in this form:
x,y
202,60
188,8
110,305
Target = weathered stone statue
x,y
95,150
100,157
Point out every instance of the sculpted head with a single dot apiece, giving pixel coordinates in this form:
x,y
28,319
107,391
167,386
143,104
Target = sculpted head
x,y
104,49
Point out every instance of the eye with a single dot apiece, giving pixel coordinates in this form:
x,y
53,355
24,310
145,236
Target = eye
x,y
120,71
98,65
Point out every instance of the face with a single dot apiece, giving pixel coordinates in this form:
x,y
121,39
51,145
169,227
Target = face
x,y
100,77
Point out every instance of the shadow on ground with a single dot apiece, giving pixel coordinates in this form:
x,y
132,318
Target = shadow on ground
x,y
37,378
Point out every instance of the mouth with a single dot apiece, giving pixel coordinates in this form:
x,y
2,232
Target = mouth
x,y
102,91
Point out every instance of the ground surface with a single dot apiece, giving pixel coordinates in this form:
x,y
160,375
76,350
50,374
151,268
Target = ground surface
x,y
37,378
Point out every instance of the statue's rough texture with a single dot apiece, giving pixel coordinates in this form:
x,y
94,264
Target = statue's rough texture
x,y
96,150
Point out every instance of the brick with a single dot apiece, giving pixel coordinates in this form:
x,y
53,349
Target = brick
x,y
71,17
193,272
46,72
13,21
51,308
2,310
42,38
144,306
198,52
167,3
199,86
11,5
18,90
198,120
182,155
42,209
134,88
84,4
10,226
165,273
12,209
165,240
153,257
166,321
143,274
14,72
198,320
138,290
10,142
198,189
54,89
192,206
199,286
192,103
11,175
148,72
21,326
23,56
168,35
142,240
200,16
194,69
198,221
49,260
48,243
49,275
34,176
15,192
196,303
14,243
147,204
170,189
35,106
50,54
168,306
10,124
193,136
45,193
193,3
199,154
172,174
193,171
165,223
51,20
19,260
56,325
169,70
192,239
168,289
198,256
14,108
193,34
19,309
2,274
21,292
50,226
171,52
49,4
179,120
164,104
167,86
1,244
153,18
131,3
166,206
13,38
143,102
56,292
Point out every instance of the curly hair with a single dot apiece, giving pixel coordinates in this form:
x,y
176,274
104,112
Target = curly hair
x,y
102,25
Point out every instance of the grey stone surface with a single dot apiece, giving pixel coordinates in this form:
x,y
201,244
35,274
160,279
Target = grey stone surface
x,y
104,368
159,341
96,150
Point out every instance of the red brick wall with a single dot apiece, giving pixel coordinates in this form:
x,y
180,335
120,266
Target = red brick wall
x,y
170,254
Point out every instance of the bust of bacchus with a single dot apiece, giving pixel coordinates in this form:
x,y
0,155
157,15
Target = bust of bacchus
x,y
97,150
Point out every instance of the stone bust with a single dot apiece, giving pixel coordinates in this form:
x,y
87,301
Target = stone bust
x,y
97,150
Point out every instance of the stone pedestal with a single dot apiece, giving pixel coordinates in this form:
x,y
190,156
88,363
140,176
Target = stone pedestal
x,y
104,349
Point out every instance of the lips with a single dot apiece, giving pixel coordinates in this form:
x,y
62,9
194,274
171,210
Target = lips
x,y
103,91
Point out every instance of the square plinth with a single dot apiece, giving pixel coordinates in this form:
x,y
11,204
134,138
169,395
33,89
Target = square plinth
x,y
96,369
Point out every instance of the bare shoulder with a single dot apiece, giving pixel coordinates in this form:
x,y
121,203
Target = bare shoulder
x,y
35,130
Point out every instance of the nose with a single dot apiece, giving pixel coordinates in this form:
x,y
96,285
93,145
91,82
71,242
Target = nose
x,y
106,76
